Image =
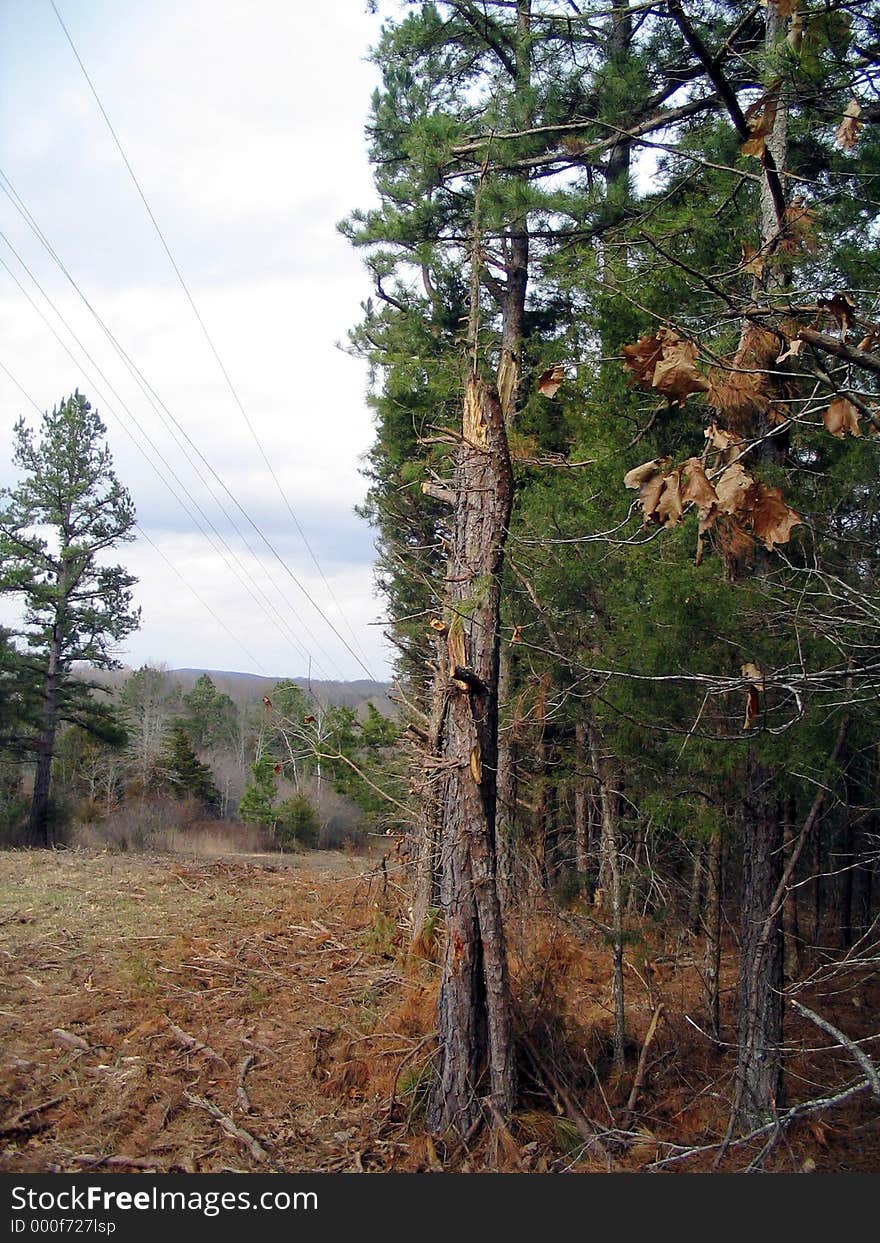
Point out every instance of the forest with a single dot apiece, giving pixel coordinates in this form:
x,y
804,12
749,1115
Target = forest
x,y
619,250
617,907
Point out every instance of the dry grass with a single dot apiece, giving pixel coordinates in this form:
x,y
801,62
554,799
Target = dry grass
x,y
228,1014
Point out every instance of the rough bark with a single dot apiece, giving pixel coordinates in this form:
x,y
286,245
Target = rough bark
x,y
581,804
609,797
712,954
505,810
426,892
759,1065
474,1022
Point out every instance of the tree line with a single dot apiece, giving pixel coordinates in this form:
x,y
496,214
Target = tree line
x,y
135,760
623,337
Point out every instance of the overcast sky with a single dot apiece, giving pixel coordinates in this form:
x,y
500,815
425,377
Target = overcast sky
x,y
244,122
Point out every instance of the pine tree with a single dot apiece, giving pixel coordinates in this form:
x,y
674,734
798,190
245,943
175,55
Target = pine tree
x,y
184,771
76,607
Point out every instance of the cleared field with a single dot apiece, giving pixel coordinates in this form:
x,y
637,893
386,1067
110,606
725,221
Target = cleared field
x,y
189,1015
255,1014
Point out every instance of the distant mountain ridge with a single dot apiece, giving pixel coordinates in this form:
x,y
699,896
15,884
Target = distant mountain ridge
x,y
249,687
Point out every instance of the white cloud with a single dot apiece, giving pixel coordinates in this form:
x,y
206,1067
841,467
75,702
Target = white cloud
x,y
244,124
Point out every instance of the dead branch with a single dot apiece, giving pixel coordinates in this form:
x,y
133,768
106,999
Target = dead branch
x,y
188,1042
587,1130
257,1151
642,1064
72,1041
804,1110
859,1054
242,1097
18,1122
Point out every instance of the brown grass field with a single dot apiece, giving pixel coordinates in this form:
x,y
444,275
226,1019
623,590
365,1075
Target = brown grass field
x,y
177,1014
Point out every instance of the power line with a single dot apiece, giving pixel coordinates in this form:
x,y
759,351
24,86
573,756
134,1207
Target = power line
x,y
232,389
153,397
167,560
278,620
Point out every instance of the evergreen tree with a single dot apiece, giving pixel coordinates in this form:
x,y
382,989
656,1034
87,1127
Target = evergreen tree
x,y
257,804
185,773
76,607
210,715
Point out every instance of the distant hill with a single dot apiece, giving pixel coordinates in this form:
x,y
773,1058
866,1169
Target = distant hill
x,y
246,688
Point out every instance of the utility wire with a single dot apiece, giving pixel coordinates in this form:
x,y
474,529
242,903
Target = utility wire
x,y
170,424
167,560
268,607
232,389
13,196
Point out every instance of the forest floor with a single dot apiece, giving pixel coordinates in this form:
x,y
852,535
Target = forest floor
x,y
167,1014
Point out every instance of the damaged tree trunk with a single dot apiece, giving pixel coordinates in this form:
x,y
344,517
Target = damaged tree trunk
x,y
474,1009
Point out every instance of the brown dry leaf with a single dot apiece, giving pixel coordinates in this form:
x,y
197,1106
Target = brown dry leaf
x,y
842,418
760,117
751,671
551,380
735,489
642,358
793,350
727,443
753,261
669,509
659,493
847,133
516,637
666,362
871,339
841,306
697,489
772,520
640,474
753,707
675,374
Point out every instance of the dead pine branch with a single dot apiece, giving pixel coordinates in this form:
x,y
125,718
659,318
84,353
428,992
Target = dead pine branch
x,y
256,1149
244,1101
192,1045
642,1064
851,1047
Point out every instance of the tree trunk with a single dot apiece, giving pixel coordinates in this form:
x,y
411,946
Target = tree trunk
x,y
790,924
474,1021
759,1055
505,814
712,955
581,806
426,895
609,796
39,831
759,1064
693,918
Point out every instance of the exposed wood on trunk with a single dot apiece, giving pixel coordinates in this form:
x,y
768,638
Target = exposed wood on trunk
x,y
474,1025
